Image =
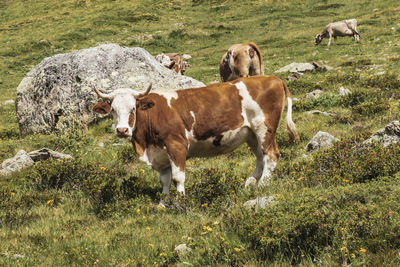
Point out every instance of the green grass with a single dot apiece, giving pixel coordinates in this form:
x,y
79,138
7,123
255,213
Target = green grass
x,y
336,207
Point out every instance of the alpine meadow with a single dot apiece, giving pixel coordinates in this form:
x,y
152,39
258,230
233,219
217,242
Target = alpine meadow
x,y
335,206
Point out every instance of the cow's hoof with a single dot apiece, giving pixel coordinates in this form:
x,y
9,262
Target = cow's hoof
x,y
250,182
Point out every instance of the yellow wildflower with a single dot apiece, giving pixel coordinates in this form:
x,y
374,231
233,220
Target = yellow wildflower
x,y
302,255
222,239
363,250
50,201
343,248
141,170
207,228
138,211
12,193
250,168
144,217
204,205
148,228
103,168
353,255
237,249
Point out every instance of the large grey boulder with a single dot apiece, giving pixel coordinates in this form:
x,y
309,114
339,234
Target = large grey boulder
x,y
59,90
386,136
320,140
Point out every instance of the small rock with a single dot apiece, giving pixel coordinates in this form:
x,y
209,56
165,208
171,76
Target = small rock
x,y
18,256
9,101
297,67
293,77
259,203
320,140
380,73
45,153
182,249
318,112
386,136
393,28
20,161
315,94
101,144
344,91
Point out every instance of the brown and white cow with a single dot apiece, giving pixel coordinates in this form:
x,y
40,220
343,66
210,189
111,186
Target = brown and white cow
x,y
174,61
167,127
339,28
241,60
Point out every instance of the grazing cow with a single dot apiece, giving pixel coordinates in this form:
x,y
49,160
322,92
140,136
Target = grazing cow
x,y
174,61
241,60
167,127
339,28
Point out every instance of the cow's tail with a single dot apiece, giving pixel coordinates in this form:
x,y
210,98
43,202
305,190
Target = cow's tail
x,y
291,127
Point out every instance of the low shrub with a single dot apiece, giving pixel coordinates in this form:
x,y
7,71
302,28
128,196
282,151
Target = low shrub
x,y
311,103
346,162
346,222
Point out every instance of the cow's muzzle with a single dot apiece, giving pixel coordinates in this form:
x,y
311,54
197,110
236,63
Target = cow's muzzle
x,y
122,132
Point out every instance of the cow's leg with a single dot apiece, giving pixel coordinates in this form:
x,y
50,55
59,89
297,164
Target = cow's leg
x,y
165,179
177,152
270,157
330,39
334,39
257,150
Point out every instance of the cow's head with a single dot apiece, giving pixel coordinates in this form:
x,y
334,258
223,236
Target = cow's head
x,y
240,60
318,39
122,107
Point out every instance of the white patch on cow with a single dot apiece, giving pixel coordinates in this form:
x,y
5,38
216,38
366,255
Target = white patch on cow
x,y
168,96
251,112
230,140
289,119
231,61
178,176
156,157
269,166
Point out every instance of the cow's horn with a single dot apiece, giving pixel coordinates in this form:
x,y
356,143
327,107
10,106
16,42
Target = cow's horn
x,y
103,95
146,92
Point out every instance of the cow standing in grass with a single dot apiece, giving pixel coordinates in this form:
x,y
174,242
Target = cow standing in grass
x,y
241,60
167,127
339,28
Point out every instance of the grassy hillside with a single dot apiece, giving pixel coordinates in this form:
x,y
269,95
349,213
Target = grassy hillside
x,y
337,207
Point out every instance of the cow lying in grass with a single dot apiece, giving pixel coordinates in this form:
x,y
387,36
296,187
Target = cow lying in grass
x,y
339,28
167,127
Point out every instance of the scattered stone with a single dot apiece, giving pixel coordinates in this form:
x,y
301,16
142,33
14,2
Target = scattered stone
x,y
344,91
380,73
297,67
393,28
314,94
18,256
20,161
318,112
259,203
101,144
7,102
293,77
386,136
59,91
182,249
320,140
23,159
45,153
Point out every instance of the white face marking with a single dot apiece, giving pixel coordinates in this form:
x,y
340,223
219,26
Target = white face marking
x,y
169,95
123,104
232,61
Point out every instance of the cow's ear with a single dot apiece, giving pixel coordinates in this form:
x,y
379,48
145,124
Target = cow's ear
x,y
251,52
145,104
102,108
